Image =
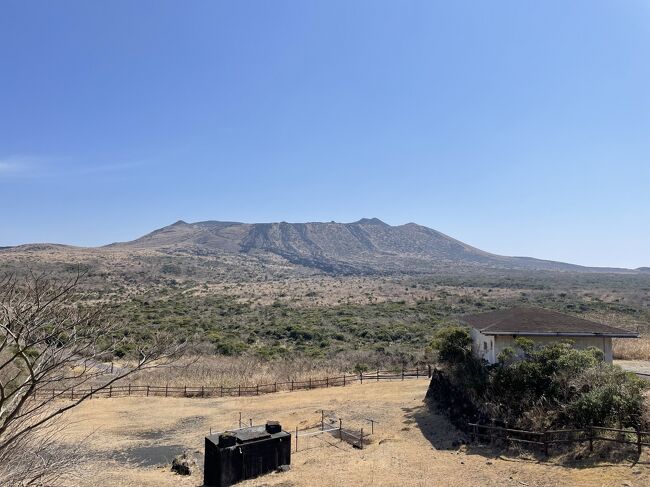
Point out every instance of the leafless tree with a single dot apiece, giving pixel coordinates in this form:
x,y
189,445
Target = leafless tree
x,y
51,341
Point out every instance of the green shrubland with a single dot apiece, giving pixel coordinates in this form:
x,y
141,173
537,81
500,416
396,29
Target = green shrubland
x,y
535,387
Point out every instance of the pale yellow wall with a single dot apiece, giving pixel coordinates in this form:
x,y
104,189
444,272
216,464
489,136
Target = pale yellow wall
x,y
496,344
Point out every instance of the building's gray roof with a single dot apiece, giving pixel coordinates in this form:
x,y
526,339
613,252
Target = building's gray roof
x,y
539,321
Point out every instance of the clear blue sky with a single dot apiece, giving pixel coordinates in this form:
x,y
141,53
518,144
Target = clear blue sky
x,y
520,127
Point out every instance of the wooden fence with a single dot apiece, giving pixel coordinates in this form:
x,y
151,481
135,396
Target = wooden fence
x,y
545,439
232,391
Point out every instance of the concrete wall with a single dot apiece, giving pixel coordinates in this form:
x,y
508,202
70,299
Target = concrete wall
x,y
496,344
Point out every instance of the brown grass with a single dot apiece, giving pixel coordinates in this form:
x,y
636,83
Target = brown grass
x,y
412,447
214,371
632,349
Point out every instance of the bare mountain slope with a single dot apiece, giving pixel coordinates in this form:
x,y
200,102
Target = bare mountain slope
x,y
367,246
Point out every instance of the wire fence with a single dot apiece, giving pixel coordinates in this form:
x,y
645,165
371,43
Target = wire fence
x,y
350,434
167,390
303,438
546,439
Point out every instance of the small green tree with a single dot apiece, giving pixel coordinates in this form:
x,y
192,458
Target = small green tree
x,y
360,368
453,344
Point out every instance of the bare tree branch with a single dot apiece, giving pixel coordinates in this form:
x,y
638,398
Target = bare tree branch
x,y
47,339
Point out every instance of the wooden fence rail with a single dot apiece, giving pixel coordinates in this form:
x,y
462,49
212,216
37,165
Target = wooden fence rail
x,y
545,439
230,391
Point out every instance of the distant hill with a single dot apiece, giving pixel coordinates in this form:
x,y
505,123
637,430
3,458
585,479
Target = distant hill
x,y
214,249
365,246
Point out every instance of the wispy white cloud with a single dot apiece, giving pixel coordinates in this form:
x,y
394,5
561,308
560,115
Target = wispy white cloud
x,y
15,165
45,167
112,167
8,167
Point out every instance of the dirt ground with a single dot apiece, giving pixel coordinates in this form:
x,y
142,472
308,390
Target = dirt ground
x,y
131,442
640,366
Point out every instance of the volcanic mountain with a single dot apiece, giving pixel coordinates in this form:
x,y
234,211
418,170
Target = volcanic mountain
x,y
365,246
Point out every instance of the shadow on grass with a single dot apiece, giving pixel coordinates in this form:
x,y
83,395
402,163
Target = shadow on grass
x,y
443,435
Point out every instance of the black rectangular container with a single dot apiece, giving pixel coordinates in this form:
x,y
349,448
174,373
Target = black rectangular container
x,y
246,453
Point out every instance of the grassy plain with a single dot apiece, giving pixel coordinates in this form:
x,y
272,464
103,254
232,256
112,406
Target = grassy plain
x,y
412,446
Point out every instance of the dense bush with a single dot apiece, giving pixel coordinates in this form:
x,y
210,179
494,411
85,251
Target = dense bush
x,y
537,387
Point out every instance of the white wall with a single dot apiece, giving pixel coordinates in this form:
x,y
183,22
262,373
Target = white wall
x,y
496,344
483,346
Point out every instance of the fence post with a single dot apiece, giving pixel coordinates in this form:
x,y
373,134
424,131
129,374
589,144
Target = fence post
x,y
91,392
147,391
361,439
429,371
343,379
129,388
322,419
545,440
72,394
221,388
340,429
110,391
250,421
417,372
166,389
257,389
185,391
240,419
275,387
638,439
310,383
239,390
361,376
292,386
327,381
377,375
402,372
202,391
296,436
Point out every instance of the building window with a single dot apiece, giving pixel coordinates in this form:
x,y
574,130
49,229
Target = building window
x,y
485,346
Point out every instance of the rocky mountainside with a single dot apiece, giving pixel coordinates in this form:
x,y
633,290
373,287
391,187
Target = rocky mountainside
x,y
364,246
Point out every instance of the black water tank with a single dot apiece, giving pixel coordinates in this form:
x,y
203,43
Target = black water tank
x,y
245,453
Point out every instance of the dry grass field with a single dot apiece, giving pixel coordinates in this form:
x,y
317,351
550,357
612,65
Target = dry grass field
x,y
411,446
348,290
638,349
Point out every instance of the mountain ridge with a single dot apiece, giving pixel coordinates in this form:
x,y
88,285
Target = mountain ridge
x,y
365,246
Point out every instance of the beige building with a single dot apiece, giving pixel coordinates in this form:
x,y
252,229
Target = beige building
x,y
493,331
